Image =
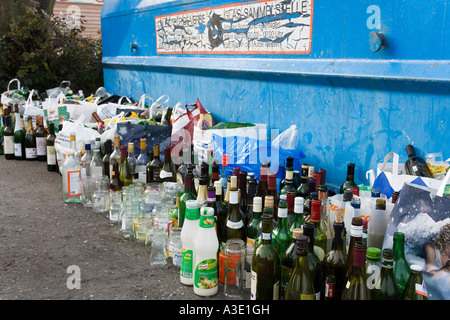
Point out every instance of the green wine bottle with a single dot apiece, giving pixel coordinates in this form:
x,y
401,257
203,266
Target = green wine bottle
x,y
168,173
355,287
320,239
288,262
8,135
313,260
265,274
187,195
334,261
234,226
281,233
350,180
301,286
126,176
401,267
415,287
388,286
19,139
302,190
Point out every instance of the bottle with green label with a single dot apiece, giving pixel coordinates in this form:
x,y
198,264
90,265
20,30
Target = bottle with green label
x,y
301,286
188,234
206,245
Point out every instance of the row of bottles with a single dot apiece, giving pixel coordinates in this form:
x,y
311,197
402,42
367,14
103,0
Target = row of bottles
x,y
292,250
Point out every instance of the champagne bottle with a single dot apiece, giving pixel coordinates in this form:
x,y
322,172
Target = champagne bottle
x,y
107,157
287,263
8,135
301,286
30,141
349,182
388,286
298,220
72,186
401,267
313,260
234,227
415,287
355,287
281,235
265,274
19,139
334,261
41,140
167,173
125,174
302,190
155,166
51,151
415,165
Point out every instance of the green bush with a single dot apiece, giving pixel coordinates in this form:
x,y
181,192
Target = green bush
x,y
41,51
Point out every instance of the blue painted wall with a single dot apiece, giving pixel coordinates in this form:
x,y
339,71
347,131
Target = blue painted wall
x,y
349,103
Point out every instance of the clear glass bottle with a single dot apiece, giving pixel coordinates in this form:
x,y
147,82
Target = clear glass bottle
x,y
142,161
96,164
132,160
72,184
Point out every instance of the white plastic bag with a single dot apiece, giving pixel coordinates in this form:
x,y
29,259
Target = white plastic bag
x,y
30,109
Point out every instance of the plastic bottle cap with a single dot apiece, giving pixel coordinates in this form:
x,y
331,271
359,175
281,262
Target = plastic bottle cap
x,y
348,195
87,146
302,242
257,204
283,197
192,204
416,267
373,253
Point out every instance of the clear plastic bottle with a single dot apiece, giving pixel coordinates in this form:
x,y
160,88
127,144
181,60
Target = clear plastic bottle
x,y
206,245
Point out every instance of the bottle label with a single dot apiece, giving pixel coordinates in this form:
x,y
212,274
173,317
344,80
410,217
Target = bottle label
x,y
282,212
235,224
315,216
74,184
30,153
186,263
41,146
18,149
51,155
9,144
289,175
266,236
329,290
276,291
373,273
307,296
420,289
206,276
165,174
253,285
142,173
234,197
206,222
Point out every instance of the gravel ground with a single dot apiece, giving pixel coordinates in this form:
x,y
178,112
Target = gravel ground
x,y
41,238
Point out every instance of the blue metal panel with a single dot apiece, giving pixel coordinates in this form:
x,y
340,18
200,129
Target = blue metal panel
x,y
350,102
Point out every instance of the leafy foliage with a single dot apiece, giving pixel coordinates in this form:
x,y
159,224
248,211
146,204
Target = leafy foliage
x,y
41,51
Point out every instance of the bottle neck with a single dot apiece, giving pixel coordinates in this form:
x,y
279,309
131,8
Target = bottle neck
x,y
399,249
